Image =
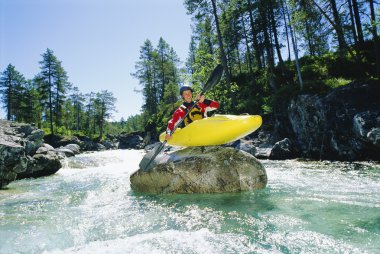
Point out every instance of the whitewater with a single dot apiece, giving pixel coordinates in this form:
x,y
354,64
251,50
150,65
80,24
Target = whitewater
x,y
88,206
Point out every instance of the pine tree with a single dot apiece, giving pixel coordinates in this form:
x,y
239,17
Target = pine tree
x,y
31,109
145,73
47,82
90,114
61,87
105,105
77,100
11,88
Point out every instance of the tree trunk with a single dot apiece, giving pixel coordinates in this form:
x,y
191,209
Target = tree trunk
x,y
352,19
268,46
275,36
254,36
249,55
9,98
286,29
101,124
77,122
375,37
50,103
358,21
338,26
220,42
295,50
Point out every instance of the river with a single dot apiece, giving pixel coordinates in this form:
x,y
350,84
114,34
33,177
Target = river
x,y
88,207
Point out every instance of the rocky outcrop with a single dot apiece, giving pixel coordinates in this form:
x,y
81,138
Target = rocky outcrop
x,y
131,141
282,150
343,125
23,153
201,170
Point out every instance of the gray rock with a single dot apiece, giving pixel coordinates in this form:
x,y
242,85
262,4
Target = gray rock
x,y
48,147
41,165
283,150
246,146
339,126
100,147
64,151
42,150
73,147
69,140
263,152
201,170
131,141
374,136
109,144
19,144
151,146
366,125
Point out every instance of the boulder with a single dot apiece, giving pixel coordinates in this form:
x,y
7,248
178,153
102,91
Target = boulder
x,y
283,150
244,145
87,144
201,170
23,153
41,165
367,127
343,125
108,144
73,147
65,152
131,141
67,140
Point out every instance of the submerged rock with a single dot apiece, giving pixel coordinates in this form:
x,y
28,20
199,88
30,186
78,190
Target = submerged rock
x,y
201,170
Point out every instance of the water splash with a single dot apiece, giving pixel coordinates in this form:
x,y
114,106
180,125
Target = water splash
x,y
88,207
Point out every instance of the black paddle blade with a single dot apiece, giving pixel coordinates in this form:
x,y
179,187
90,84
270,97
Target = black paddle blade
x,y
146,162
214,78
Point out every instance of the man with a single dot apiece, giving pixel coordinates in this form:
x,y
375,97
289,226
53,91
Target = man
x,y
198,112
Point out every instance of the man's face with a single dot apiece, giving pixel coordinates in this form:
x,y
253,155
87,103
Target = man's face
x,y
187,96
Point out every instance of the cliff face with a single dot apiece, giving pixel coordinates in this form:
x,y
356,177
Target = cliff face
x,y
343,125
20,153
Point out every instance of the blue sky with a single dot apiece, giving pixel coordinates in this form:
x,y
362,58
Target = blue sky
x,y
98,41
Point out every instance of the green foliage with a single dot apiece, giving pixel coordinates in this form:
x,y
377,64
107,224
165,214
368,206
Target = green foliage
x,y
250,40
336,82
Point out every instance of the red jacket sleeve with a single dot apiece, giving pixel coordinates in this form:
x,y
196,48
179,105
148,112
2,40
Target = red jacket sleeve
x,y
178,115
208,105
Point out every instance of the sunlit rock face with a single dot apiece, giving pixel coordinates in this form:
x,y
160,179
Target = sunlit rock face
x,y
22,153
201,170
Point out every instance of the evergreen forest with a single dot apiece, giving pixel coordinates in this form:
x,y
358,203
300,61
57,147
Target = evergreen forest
x,y
271,51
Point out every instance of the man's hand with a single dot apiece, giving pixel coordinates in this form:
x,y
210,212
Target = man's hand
x,y
200,98
168,136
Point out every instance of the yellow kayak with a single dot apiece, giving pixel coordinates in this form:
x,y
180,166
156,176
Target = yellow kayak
x,y
215,130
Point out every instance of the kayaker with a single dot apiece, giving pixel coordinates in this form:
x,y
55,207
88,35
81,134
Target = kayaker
x,y
198,112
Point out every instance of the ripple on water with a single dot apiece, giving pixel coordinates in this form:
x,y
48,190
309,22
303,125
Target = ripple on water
x,y
307,207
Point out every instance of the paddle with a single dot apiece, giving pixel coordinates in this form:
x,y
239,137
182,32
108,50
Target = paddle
x,y
212,81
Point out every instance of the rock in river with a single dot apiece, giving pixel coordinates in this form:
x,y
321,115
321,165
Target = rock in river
x,y
23,154
201,170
